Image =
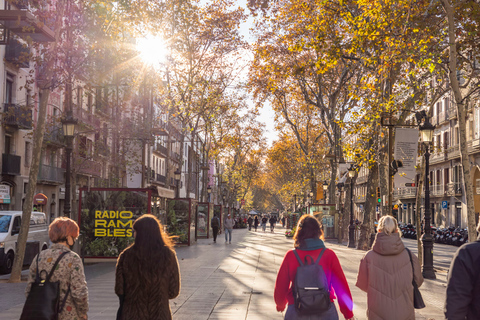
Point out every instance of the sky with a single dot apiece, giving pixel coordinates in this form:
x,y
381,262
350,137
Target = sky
x,y
267,115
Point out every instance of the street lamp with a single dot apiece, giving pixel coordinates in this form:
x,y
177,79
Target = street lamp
x,y
325,188
68,124
177,175
426,133
209,192
351,228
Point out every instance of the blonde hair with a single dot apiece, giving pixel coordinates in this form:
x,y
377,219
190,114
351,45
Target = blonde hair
x,y
387,225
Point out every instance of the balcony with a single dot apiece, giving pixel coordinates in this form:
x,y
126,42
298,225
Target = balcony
x,y
11,164
53,135
17,54
50,175
160,178
454,189
87,118
161,149
437,190
17,116
89,167
405,193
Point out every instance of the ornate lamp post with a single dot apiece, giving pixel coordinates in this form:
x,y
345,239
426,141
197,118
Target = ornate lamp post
x,y
426,133
351,228
68,124
325,188
209,192
177,176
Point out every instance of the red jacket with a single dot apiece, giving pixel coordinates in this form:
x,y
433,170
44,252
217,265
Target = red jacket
x,y
333,270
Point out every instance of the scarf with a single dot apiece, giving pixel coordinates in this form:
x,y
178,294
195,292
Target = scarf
x,y
313,244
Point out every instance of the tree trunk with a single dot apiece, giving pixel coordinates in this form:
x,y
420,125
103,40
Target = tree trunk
x,y
367,227
15,276
461,115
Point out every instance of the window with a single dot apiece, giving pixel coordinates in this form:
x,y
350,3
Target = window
x,y
9,88
8,144
79,97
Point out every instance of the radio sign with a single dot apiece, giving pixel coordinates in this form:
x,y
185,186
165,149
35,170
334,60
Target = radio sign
x,y
113,223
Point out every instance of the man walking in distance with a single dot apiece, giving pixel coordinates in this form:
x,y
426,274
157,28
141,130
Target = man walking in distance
x,y
463,283
215,223
250,222
228,223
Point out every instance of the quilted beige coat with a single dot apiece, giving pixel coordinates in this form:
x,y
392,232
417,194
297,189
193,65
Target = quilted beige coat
x,y
386,275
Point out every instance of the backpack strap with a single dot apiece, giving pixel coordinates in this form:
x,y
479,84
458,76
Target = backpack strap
x,y
320,256
298,257
54,266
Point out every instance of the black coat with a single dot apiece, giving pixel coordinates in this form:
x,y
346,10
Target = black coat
x,y
463,284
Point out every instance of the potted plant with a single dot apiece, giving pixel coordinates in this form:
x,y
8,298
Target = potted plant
x,y
289,234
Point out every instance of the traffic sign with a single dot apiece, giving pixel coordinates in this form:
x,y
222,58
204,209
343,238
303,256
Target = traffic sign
x,y
404,206
444,204
409,184
242,202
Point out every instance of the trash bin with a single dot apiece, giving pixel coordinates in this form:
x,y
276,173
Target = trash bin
x,y
31,250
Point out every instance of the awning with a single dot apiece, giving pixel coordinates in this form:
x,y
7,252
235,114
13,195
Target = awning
x,y
40,199
166,193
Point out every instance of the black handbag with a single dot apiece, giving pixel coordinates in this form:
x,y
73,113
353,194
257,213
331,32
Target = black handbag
x,y
417,296
43,301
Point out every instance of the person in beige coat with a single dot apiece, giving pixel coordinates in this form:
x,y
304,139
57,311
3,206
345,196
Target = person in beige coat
x,y
386,275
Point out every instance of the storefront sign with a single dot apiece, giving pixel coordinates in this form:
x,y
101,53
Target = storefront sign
x,y
406,146
113,223
4,193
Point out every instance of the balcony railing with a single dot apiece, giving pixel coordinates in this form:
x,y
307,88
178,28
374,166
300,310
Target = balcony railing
x,y
11,164
90,167
437,190
404,193
454,189
17,116
87,118
51,174
161,178
53,134
163,150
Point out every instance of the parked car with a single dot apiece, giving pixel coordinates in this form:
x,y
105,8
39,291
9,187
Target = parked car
x,y
37,240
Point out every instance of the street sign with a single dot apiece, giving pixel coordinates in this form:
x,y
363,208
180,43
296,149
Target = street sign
x,y
444,204
409,184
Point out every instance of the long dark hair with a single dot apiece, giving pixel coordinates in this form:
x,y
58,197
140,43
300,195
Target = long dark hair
x,y
152,245
308,227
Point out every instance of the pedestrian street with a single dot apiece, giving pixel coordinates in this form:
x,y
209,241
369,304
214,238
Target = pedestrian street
x,y
230,281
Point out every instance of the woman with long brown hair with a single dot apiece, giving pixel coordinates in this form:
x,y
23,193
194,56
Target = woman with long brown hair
x,y
147,273
309,242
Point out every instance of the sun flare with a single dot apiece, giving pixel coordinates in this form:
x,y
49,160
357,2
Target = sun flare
x,y
152,50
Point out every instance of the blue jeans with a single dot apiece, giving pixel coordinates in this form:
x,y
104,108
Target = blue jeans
x,y
330,314
229,233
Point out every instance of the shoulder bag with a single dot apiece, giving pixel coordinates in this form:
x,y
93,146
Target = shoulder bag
x,y
43,301
417,296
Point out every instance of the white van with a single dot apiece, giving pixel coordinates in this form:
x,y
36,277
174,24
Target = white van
x,y
10,222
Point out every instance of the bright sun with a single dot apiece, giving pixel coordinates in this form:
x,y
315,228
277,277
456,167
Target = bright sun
x,y
152,50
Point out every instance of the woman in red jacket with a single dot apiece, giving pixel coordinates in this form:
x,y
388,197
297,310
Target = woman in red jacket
x,y
309,241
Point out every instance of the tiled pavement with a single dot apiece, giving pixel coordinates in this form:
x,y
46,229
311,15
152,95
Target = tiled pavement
x,y
225,281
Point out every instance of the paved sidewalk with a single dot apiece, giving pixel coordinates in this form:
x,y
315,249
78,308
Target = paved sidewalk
x,y
225,281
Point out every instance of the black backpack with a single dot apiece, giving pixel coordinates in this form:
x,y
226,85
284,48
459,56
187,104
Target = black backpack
x,y
310,287
43,301
215,222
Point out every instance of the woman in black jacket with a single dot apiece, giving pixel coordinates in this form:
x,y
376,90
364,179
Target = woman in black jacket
x,y
147,273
